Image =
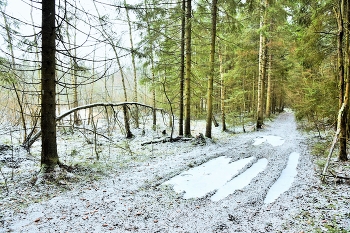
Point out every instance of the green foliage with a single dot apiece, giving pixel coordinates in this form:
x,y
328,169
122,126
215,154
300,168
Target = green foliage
x,y
6,75
332,228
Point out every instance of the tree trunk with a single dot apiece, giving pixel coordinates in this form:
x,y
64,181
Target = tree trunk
x,y
262,66
187,129
340,39
223,93
342,155
269,89
110,41
49,156
20,103
211,71
182,69
136,114
73,66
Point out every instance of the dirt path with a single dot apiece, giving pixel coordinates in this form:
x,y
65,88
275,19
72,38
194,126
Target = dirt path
x,y
134,199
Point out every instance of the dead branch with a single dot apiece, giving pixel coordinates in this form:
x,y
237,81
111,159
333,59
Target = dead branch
x,y
29,141
339,177
167,139
332,175
335,139
90,130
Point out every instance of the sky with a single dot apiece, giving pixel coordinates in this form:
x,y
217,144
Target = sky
x,y
21,9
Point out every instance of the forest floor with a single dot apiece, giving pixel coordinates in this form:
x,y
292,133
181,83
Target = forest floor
x,y
128,194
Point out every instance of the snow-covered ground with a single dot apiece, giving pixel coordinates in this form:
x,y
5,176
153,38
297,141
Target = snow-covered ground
x,y
253,182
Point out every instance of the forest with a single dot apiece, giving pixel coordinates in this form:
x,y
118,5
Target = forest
x,y
83,82
229,61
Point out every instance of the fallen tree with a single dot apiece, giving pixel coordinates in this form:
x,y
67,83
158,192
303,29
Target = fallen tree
x,y
335,140
32,138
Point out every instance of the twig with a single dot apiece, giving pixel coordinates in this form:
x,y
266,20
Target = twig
x,y
340,177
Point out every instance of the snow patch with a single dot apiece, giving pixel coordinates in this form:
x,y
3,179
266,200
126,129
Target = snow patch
x,y
199,181
240,181
272,140
284,182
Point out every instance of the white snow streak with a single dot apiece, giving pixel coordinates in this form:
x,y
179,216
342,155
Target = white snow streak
x,y
272,140
199,181
284,182
240,181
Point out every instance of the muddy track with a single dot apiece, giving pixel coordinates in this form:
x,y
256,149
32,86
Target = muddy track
x,y
136,201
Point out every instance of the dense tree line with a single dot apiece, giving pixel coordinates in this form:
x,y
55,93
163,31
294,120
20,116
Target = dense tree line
x,y
234,60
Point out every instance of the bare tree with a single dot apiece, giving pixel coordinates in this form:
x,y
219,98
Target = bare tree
x,y
111,42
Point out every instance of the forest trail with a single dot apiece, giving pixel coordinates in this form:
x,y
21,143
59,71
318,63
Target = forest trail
x,y
137,200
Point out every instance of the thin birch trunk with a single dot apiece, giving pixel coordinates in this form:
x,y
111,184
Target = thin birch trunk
x,y
136,113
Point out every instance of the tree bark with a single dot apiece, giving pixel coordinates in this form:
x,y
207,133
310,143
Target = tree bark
x,y
49,156
211,71
222,93
187,129
262,66
136,113
182,69
344,89
269,89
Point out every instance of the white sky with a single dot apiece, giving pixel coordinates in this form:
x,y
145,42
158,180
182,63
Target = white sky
x,y
21,9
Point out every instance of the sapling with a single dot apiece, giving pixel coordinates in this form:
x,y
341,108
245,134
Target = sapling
x,y
5,180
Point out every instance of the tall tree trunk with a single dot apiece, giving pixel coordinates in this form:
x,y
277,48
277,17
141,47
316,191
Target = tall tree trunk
x,y
154,113
128,133
262,66
342,155
211,70
73,65
187,129
74,76
223,93
149,29
49,156
340,39
182,69
269,89
136,113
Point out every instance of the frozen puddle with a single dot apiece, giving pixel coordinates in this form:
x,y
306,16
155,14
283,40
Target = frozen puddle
x,y
212,175
272,140
240,181
284,182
